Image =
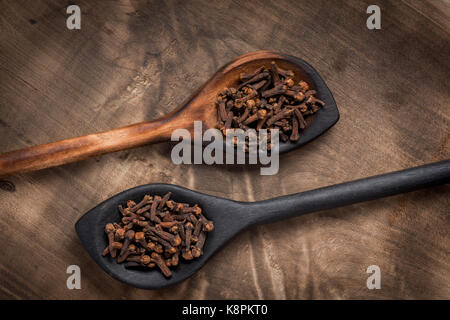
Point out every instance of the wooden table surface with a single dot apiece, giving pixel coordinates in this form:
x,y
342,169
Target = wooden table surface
x,y
136,60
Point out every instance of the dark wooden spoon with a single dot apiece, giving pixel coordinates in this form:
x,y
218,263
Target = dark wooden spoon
x,y
200,107
231,217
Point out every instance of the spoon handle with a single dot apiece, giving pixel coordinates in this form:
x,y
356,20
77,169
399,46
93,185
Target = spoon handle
x,y
74,149
350,192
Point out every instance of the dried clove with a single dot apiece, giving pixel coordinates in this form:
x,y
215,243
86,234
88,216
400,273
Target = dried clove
x,y
263,98
155,232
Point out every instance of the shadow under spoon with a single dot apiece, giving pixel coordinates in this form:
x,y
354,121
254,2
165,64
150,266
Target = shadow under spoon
x,y
231,217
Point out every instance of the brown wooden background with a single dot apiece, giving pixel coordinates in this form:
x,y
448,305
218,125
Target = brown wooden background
x,y
136,60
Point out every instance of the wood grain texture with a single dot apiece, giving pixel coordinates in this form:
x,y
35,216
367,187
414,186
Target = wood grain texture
x,y
135,61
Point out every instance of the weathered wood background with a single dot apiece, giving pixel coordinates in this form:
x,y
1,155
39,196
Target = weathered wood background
x,y
137,60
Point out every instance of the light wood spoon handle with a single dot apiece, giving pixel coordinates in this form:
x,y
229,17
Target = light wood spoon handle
x,y
74,149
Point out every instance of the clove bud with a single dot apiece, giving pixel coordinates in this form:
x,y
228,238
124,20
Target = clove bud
x,y
263,98
156,232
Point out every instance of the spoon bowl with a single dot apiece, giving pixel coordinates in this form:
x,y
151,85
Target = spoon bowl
x,y
199,107
231,217
324,119
228,217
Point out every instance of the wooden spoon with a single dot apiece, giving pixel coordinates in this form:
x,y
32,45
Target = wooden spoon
x,y
200,107
231,217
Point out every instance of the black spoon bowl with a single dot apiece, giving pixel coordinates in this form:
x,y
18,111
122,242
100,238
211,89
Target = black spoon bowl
x,y
227,216
325,117
231,217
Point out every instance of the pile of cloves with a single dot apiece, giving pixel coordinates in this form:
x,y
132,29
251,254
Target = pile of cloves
x,y
156,232
268,99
